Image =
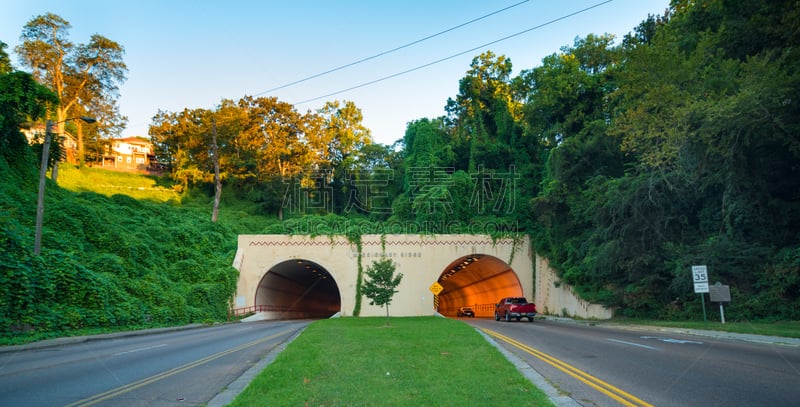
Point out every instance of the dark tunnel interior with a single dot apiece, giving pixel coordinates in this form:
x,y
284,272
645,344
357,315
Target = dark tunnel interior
x,y
298,289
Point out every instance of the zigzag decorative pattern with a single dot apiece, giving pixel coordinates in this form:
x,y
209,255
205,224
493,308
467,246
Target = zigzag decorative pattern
x,y
436,242
420,242
304,243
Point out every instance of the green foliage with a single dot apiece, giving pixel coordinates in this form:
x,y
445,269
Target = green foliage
x,y
84,77
22,99
110,262
5,61
626,164
691,158
381,283
359,280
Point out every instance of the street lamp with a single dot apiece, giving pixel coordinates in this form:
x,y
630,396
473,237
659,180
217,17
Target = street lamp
x,y
37,244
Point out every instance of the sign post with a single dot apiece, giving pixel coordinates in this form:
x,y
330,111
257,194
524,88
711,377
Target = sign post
x,y
720,293
436,288
700,277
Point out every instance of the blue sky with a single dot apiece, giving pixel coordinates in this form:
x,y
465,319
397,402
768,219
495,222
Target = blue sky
x,y
193,54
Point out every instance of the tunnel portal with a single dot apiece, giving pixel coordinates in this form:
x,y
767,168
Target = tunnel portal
x,y
472,270
298,288
477,281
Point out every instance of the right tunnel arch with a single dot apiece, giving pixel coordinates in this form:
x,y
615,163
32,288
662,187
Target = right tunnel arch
x,y
478,281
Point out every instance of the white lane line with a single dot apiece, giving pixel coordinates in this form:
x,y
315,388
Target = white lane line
x,y
140,349
670,340
633,344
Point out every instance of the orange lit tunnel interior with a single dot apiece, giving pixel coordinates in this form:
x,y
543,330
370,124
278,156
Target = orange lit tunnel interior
x,y
477,281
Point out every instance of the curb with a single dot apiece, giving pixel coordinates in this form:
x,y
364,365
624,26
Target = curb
x,y
531,374
51,343
230,392
775,340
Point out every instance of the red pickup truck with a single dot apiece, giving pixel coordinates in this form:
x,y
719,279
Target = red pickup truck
x,y
514,307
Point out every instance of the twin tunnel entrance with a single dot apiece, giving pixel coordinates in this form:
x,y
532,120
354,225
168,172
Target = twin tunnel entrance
x,y
300,288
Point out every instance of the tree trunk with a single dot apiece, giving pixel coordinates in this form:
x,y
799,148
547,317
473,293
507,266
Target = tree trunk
x,y
81,153
54,173
217,180
57,157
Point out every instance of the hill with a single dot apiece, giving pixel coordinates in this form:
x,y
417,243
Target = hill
x,y
119,251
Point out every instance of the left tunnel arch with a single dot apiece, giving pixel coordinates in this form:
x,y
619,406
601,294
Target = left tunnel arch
x,y
478,281
298,288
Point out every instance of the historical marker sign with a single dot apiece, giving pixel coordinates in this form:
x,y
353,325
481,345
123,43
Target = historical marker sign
x,y
700,277
719,293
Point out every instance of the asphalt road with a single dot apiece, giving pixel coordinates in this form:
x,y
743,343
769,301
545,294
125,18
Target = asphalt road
x,y
182,367
606,366
585,365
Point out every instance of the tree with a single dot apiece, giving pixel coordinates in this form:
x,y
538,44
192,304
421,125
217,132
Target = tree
x,y
21,99
272,137
677,147
183,140
568,111
486,113
486,133
82,75
274,147
428,144
570,89
217,178
5,61
374,181
381,283
343,136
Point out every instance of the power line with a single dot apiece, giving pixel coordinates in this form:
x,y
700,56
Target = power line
x,y
391,50
454,55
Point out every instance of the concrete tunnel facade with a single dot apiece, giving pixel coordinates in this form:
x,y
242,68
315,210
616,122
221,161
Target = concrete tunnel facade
x,y
302,276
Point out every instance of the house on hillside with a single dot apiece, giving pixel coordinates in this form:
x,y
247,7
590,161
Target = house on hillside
x,y
135,154
130,154
35,134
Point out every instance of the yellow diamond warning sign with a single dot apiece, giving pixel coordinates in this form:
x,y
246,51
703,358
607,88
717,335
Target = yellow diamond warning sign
x,y
436,288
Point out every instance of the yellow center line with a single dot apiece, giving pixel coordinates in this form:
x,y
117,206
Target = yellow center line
x,y
609,390
97,398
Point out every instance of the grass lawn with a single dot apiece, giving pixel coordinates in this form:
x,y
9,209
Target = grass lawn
x,y
108,183
415,361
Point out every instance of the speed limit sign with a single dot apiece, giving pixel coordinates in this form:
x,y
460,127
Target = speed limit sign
x,y
700,277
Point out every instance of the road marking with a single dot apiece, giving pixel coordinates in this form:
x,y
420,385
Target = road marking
x,y
140,349
609,390
632,344
100,397
670,340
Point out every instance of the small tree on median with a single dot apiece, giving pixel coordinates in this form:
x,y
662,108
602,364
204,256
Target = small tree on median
x,y
381,283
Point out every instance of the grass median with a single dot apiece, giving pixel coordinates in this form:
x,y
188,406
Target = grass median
x,y
414,361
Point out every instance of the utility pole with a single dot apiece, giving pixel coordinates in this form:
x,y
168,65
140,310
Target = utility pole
x,y
48,137
37,243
